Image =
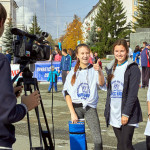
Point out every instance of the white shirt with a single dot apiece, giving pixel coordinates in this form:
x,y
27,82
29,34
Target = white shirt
x,y
147,129
84,89
116,96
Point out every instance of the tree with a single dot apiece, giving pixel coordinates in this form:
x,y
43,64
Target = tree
x,y
73,34
142,16
111,19
35,28
92,36
8,37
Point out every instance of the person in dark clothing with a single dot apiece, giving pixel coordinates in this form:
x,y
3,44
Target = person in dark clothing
x,y
71,52
10,111
97,59
144,66
122,109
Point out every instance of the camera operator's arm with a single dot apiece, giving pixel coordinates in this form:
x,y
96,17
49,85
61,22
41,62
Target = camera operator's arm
x,y
32,100
10,112
18,90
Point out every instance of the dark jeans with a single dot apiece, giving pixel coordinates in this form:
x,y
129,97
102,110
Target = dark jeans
x,y
64,75
148,142
50,86
124,137
145,76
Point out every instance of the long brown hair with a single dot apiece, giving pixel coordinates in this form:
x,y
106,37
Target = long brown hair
x,y
78,62
124,44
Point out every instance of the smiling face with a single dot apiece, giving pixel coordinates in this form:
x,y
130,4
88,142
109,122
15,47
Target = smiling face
x,y
120,53
83,55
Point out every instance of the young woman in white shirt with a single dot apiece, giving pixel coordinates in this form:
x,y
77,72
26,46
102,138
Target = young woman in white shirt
x,y
80,90
147,130
122,109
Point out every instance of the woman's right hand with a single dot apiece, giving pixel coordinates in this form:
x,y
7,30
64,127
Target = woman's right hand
x,y
74,118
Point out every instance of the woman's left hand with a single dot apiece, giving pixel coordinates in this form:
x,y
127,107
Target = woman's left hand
x,y
124,120
96,66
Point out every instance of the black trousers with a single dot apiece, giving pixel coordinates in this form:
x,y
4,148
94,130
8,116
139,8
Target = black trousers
x,y
148,142
124,137
145,76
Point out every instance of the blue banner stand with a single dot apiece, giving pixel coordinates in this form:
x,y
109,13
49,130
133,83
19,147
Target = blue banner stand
x,y
77,136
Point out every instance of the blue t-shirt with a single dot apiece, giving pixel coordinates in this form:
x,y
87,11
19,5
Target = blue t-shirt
x,y
135,56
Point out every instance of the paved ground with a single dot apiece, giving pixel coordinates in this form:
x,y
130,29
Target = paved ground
x,y
61,118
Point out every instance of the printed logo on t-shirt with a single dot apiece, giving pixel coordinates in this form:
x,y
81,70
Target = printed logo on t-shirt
x,y
117,88
83,91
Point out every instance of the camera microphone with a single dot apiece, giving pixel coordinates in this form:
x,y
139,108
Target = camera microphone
x,y
19,32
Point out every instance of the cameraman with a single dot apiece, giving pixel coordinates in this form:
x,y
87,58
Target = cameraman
x,y
10,112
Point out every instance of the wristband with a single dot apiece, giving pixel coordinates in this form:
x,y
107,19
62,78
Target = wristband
x,y
148,115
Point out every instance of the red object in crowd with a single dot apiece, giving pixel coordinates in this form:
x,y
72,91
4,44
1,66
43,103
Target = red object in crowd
x,y
148,58
57,57
100,64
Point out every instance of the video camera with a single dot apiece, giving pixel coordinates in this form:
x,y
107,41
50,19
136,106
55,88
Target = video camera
x,y
30,48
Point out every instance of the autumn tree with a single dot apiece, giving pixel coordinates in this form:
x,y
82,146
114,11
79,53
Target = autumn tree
x,y
73,34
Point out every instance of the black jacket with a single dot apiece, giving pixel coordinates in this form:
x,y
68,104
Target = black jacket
x,y
130,102
10,112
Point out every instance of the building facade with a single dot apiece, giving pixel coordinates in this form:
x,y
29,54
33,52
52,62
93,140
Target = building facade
x,y
130,7
10,6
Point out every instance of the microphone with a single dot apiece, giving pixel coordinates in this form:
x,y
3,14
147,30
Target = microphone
x,y
19,32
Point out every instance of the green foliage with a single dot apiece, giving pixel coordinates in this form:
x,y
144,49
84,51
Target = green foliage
x,y
111,18
92,35
143,13
99,50
8,38
35,28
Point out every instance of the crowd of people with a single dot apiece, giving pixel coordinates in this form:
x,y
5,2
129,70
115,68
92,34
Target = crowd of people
x,y
141,56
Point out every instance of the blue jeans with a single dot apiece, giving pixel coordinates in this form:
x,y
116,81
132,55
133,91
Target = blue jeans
x,y
55,86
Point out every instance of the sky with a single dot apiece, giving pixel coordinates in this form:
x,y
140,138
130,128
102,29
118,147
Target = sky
x,y
50,16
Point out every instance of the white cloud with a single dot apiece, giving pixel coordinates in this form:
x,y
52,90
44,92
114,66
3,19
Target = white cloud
x,y
25,13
